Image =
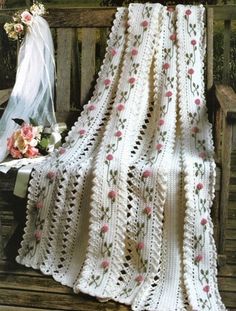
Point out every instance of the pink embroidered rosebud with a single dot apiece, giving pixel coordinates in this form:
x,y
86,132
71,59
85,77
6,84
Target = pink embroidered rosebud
x,y
169,94
197,101
147,210
134,52
38,235
195,130
202,155
112,194
140,246
61,150
199,186
198,258
113,52
203,221
51,175
139,278
118,134
173,37
166,66
144,23
105,264
105,228
206,289
120,107
132,80
191,71
159,147
107,82
91,107
193,42
82,132
147,173
188,12
161,122
109,157
39,205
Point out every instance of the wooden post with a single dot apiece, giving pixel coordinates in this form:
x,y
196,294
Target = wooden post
x,y
226,65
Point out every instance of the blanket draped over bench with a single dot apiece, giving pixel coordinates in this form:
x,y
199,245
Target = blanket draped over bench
x,y
122,211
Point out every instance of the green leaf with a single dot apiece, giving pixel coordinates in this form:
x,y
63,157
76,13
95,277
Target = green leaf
x,y
33,122
18,121
44,143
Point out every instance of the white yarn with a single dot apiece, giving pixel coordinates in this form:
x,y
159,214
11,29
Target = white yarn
x,y
123,211
32,95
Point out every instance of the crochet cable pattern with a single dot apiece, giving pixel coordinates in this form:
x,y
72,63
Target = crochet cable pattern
x,y
122,210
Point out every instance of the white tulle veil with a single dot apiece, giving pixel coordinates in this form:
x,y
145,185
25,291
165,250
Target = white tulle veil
x,y
33,92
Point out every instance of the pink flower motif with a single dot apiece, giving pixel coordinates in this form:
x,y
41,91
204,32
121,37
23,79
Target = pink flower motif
x,y
107,82
188,12
203,155
105,264
161,122
144,23
91,107
170,9
39,205
147,210
51,175
61,150
147,173
118,134
139,279
206,289
193,42
113,52
166,66
109,157
203,221
169,94
82,132
159,147
112,194
195,130
105,228
120,107
191,71
199,186
26,18
134,52
173,37
198,258
140,245
31,152
38,235
132,80
197,101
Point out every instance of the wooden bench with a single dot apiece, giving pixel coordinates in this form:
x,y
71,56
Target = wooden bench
x,y
80,40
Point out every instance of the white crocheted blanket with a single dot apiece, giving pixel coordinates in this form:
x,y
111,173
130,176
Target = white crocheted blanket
x,y
122,211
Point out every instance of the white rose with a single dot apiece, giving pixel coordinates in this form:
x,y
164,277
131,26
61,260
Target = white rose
x,y
38,9
26,18
8,27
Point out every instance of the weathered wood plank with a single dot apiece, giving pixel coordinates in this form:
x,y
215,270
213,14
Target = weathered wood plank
x,y
13,308
227,100
15,269
56,301
4,95
229,299
87,63
226,63
227,271
227,284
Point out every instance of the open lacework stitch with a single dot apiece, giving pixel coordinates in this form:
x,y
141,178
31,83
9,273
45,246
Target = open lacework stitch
x,y
122,211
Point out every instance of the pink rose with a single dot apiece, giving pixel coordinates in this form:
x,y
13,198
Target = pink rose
x,y
31,152
39,205
166,66
10,142
105,264
169,94
147,210
144,23
27,131
203,221
134,52
105,228
107,82
191,71
109,157
139,279
173,37
112,194
197,101
206,289
140,245
26,18
147,173
38,235
120,107
193,42
91,107
199,186
198,258
18,28
161,122
118,134
188,12
159,147
15,153
82,132
132,80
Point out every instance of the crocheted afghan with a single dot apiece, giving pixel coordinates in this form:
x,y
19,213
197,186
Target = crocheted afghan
x,y
122,211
